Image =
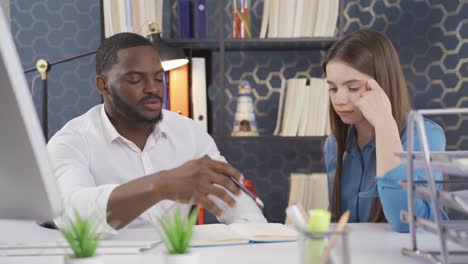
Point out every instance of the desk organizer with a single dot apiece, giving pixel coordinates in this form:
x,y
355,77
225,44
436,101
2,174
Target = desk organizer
x,y
448,162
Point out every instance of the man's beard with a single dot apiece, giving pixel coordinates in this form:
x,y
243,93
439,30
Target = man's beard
x,y
131,114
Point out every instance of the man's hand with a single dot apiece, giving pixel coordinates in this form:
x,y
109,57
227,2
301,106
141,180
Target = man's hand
x,y
195,180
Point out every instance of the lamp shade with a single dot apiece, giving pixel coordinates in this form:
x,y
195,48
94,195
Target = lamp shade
x,y
171,57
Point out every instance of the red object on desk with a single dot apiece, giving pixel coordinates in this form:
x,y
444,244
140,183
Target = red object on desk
x,y
201,215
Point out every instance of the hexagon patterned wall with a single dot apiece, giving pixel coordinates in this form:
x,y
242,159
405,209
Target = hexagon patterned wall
x,y
54,30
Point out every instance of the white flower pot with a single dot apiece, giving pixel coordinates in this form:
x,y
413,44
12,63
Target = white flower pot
x,y
187,258
90,260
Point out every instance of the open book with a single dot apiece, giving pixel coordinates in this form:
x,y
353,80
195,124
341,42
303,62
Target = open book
x,y
233,234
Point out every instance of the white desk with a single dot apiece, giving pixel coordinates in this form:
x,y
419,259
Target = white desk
x,y
369,243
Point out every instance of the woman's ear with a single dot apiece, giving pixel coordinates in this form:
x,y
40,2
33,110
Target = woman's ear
x,y
101,85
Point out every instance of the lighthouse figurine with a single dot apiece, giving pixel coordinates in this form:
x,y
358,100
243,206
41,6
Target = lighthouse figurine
x,y
244,119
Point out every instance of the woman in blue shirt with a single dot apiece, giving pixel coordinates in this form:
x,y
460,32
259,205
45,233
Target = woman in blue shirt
x,y
369,103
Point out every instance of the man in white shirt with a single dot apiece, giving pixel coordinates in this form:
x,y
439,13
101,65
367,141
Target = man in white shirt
x,y
129,161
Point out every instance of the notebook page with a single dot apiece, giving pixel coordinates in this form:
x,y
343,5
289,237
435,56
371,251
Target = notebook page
x,y
269,232
216,234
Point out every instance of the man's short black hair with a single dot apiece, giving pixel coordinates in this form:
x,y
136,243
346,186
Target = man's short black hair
x,y
106,55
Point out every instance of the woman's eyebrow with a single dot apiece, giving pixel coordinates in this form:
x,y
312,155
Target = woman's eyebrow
x,y
349,81
354,81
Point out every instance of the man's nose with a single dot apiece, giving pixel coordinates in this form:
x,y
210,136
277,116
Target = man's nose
x,y
153,86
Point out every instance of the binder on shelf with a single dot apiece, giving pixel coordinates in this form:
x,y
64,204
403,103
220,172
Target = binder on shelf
x,y
199,95
179,90
200,19
185,19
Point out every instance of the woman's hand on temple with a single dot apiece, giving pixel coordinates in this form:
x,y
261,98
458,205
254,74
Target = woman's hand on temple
x,y
374,104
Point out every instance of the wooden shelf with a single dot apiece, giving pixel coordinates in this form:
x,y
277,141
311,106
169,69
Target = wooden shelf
x,y
279,43
270,138
255,44
196,44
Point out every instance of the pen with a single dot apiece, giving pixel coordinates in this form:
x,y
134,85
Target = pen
x,y
245,190
336,234
242,187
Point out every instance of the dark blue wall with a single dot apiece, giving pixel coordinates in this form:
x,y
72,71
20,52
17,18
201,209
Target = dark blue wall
x,y
431,37
53,30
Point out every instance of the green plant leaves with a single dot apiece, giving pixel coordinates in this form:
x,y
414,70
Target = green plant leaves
x,y
177,231
81,236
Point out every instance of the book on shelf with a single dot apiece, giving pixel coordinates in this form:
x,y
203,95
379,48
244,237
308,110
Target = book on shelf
x,y
287,10
265,17
293,106
299,18
145,11
281,101
303,108
305,112
327,17
310,190
199,96
131,16
241,233
309,18
273,19
200,18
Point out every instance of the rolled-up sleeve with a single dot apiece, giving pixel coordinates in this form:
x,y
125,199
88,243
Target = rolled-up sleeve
x,y
68,154
394,198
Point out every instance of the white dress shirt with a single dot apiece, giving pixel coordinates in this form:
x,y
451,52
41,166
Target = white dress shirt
x,y
90,158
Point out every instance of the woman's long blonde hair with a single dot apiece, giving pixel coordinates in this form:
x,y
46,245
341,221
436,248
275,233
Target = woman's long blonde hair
x,y
372,53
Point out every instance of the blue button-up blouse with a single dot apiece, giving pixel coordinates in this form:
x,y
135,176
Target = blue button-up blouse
x,y
359,183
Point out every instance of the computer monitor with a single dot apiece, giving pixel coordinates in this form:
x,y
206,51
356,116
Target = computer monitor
x,y
28,189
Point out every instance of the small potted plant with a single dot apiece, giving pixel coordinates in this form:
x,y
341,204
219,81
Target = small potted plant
x,y
83,239
176,230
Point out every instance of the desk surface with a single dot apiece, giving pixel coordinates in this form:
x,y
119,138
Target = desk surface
x,y
369,243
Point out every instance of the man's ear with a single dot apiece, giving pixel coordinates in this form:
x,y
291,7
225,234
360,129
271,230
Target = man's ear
x,y
101,85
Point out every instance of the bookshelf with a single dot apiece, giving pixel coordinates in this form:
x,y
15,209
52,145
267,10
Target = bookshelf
x,y
270,138
255,44
266,159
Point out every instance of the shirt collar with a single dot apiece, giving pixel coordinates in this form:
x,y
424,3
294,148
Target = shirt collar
x,y
111,134
351,140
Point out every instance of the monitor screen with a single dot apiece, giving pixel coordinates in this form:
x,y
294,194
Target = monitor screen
x,y
28,190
